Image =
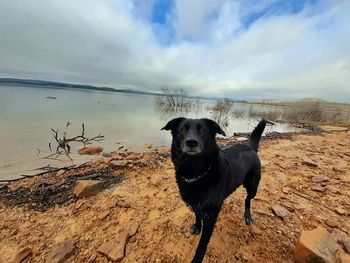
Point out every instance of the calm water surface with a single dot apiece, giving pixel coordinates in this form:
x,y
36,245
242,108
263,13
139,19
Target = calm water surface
x,y
26,117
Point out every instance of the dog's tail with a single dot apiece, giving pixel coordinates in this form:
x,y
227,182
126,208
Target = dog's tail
x,y
254,138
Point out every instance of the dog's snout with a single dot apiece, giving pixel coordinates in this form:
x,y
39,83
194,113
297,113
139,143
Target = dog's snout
x,y
192,143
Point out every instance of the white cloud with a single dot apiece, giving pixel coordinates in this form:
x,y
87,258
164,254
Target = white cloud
x,y
213,52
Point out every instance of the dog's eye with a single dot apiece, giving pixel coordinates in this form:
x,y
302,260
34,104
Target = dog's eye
x,y
201,129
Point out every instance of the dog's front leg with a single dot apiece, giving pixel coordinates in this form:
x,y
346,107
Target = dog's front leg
x,y
197,227
209,220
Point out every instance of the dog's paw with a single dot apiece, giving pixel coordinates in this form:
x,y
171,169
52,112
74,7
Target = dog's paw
x,y
194,230
248,220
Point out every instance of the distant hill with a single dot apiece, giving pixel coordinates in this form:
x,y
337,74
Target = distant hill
x,y
62,85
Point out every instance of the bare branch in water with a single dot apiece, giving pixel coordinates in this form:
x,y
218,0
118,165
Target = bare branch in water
x,y
63,144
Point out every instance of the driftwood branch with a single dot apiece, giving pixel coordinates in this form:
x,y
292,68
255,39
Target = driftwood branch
x,y
63,143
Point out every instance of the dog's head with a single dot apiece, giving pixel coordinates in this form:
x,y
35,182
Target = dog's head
x,y
193,136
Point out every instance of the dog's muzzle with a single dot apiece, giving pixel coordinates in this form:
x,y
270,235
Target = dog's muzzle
x,y
191,147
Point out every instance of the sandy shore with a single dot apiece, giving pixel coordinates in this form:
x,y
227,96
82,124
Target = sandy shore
x,y
306,174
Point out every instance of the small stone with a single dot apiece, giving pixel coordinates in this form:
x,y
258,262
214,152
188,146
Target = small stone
x,y
309,162
21,254
86,188
103,215
148,145
319,179
347,245
60,173
339,235
61,251
264,164
133,228
281,177
340,211
117,157
115,249
285,190
119,164
332,223
90,150
107,154
315,246
318,188
339,170
332,189
133,156
280,211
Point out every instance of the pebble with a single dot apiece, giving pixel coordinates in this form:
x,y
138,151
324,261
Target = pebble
x,y
280,211
332,223
318,188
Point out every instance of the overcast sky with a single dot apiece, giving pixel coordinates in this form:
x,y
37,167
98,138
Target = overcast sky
x,y
267,49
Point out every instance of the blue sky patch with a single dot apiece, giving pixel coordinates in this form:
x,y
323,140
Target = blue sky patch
x,y
160,11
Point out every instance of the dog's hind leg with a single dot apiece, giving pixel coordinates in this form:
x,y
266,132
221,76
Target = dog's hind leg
x,y
251,185
197,227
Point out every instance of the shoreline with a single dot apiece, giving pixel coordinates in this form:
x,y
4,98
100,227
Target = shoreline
x,y
84,160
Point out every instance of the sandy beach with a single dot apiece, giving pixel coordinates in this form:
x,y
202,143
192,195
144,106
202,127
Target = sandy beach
x,y
306,174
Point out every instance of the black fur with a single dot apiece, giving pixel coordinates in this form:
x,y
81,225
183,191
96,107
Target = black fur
x,y
206,175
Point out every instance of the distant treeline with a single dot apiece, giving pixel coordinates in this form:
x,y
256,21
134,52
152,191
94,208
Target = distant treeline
x,y
54,84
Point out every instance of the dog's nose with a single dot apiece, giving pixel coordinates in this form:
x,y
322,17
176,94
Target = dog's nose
x,y
192,143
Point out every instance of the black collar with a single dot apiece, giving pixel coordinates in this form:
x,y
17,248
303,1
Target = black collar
x,y
192,180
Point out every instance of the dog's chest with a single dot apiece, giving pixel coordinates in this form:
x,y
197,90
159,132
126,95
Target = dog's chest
x,y
198,195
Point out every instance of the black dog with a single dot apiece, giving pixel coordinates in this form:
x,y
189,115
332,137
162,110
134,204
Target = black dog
x,y
206,175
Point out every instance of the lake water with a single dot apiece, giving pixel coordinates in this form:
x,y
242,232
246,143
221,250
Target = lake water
x,y
27,115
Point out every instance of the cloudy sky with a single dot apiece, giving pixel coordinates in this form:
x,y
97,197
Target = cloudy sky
x,y
266,49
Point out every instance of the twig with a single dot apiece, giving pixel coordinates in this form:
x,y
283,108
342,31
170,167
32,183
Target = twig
x,y
38,152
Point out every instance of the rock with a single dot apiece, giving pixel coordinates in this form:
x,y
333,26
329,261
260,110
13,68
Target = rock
x,y
340,211
90,150
339,170
309,162
332,189
60,173
133,156
285,190
86,188
280,211
114,249
318,188
339,235
315,246
347,245
332,223
148,145
119,164
281,177
133,228
107,154
61,251
264,164
117,157
21,254
319,179
103,215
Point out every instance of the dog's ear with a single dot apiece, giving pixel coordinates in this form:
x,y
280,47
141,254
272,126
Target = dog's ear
x,y
213,126
173,124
